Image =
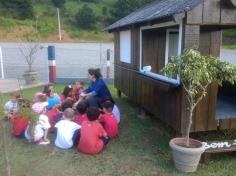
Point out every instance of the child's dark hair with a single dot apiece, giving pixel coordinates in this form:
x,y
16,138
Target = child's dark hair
x,y
46,89
67,90
66,104
93,113
106,99
82,107
95,72
108,105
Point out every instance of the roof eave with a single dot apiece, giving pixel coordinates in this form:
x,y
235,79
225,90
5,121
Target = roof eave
x,y
149,22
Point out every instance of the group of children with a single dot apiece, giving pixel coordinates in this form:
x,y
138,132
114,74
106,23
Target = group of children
x,y
68,116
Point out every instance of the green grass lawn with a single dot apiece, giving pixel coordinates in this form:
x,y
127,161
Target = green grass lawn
x,y
229,46
141,149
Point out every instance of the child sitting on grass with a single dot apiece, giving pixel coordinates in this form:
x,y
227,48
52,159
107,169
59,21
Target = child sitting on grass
x,y
50,92
64,105
67,131
67,93
93,137
39,134
108,120
77,90
52,111
82,116
115,109
11,106
19,125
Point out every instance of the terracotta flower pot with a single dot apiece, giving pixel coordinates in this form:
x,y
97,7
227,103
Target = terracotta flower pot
x,y
186,158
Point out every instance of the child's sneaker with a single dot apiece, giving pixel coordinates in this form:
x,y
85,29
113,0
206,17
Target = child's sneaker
x,y
43,142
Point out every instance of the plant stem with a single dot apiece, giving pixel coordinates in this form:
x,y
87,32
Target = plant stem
x,y
8,168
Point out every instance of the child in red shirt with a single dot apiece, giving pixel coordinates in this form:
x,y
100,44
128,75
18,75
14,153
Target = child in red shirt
x,y
93,137
77,90
67,93
19,125
108,120
82,116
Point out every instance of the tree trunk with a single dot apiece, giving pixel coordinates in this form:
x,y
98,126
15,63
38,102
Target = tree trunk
x,y
189,124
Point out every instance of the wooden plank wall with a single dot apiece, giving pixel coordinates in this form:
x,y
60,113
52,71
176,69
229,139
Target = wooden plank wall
x,y
155,97
153,44
212,12
204,115
207,41
151,94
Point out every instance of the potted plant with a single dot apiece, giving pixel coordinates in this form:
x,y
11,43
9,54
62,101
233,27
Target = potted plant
x,y
196,72
29,51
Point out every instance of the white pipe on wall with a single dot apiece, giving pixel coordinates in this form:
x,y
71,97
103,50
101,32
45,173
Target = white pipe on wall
x,y
1,61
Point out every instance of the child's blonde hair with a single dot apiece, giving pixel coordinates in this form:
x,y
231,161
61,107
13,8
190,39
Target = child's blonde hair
x,y
15,94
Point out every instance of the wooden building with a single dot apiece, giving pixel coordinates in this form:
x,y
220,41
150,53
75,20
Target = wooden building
x,y
148,37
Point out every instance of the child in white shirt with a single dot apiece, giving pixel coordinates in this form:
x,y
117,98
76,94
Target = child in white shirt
x,y
11,106
40,131
68,132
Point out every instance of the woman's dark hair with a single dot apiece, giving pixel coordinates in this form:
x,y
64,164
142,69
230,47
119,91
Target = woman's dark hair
x,y
66,104
95,72
82,107
93,113
67,90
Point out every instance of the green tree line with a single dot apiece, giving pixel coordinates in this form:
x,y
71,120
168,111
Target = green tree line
x,y
85,16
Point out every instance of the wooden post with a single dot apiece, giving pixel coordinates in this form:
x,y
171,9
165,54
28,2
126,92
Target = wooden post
x,y
119,93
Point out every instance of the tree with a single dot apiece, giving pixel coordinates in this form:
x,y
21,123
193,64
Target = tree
x,y
30,49
20,9
95,1
85,17
58,3
196,72
127,7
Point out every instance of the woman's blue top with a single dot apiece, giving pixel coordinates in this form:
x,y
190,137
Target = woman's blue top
x,y
99,89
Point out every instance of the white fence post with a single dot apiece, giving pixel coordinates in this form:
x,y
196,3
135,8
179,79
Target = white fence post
x,y
1,60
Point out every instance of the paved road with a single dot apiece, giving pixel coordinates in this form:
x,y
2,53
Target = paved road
x,y
228,55
73,59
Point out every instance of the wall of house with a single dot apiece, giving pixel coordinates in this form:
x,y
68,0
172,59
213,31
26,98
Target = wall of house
x,y
212,12
206,39
158,98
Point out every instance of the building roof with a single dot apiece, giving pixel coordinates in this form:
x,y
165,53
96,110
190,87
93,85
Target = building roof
x,y
156,10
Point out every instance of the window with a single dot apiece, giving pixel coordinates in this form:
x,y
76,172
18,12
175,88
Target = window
x,y
158,44
172,44
125,46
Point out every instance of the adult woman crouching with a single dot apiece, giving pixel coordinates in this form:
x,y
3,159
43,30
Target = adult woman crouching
x,y
97,90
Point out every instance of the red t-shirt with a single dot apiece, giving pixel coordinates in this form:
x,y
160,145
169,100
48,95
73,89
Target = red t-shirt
x,y
52,116
110,124
90,137
19,124
79,119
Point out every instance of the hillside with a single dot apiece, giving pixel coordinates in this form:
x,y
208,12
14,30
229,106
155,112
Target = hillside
x,y
45,22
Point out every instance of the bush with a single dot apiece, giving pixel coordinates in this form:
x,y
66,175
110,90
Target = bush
x,y
85,18
58,3
19,9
